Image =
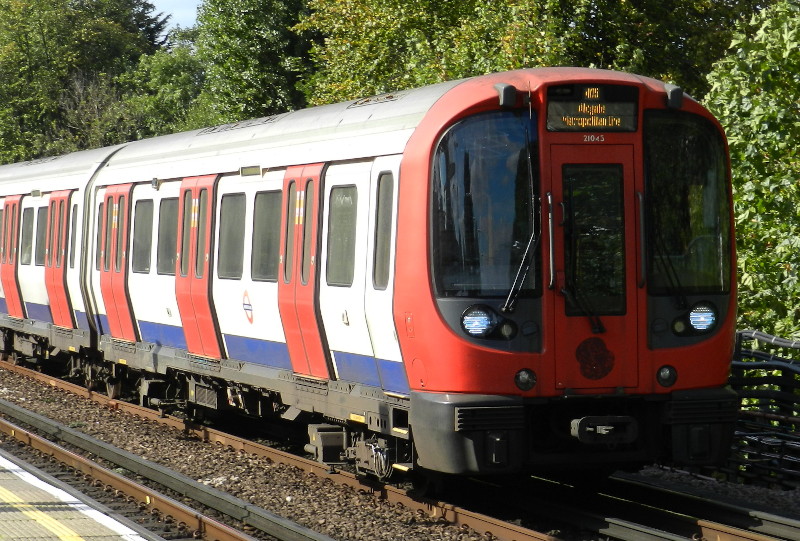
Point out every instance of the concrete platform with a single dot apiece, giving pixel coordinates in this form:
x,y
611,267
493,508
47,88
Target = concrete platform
x,y
37,507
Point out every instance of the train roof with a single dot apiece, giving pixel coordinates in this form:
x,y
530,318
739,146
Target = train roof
x,y
372,126
379,125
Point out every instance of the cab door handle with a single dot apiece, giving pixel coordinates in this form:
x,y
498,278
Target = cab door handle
x,y
552,237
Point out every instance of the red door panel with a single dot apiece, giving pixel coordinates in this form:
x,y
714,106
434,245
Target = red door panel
x,y
298,291
114,262
595,260
194,266
55,259
8,257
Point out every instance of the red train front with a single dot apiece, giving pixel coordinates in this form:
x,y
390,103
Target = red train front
x,y
573,230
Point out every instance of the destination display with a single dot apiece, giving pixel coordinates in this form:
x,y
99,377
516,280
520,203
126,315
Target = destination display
x,y
586,107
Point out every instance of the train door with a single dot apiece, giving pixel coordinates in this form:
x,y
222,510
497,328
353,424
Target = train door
x,y
298,286
8,257
344,238
56,258
114,261
593,246
193,265
379,295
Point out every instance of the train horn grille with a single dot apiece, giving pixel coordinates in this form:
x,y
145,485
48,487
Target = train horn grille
x,y
490,418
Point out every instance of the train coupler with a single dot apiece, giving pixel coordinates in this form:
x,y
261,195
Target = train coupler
x,y
605,429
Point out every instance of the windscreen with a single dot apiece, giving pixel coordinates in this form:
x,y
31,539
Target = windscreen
x,y
484,218
688,216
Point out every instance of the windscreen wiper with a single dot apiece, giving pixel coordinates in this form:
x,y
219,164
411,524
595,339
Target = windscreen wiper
x,y
522,272
674,286
533,241
579,300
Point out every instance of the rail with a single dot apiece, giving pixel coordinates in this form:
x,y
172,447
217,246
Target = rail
x,y
765,372
240,510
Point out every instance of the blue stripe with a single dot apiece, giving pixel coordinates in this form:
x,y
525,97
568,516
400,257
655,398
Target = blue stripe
x,y
3,305
253,350
393,376
82,320
357,368
367,370
101,322
39,312
163,335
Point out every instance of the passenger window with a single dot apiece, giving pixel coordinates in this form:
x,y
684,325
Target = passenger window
x,y
200,251
62,221
50,240
291,213
142,236
186,232
231,236
109,231
342,236
99,240
121,240
13,234
27,237
266,236
2,236
308,223
73,229
41,235
383,231
167,236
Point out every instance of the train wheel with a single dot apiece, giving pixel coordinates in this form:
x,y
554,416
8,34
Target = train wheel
x,y
14,358
113,388
426,483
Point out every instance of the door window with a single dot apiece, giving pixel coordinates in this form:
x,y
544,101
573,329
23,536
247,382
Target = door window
x,y
594,242
342,236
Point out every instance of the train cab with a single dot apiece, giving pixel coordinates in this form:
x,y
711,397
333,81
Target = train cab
x,y
580,254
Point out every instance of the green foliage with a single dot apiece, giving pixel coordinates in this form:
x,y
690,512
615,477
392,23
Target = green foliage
x,y
373,46
252,60
160,92
754,93
53,55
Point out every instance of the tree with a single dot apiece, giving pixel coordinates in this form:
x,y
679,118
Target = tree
x,y
371,46
252,60
754,91
160,95
47,47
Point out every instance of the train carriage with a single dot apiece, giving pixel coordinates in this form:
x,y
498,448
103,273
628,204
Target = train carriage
x,y
524,270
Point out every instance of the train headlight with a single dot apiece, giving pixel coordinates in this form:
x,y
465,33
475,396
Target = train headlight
x,y
479,321
667,376
703,317
525,379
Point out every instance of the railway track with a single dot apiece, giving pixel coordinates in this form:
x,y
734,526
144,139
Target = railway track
x,y
160,514
606,523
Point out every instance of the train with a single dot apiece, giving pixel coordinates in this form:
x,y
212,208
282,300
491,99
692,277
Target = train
x,y
524,271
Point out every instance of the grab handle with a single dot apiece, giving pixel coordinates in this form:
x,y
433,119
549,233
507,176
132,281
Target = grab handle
x,y
551,234
642,247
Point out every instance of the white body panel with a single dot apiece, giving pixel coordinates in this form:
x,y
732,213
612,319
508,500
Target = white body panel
x,y
74,255
94,295
152,293
342,307
30,258
357,316
247,309
378,301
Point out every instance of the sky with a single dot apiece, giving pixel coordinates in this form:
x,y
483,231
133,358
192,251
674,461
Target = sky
x,y
184,12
